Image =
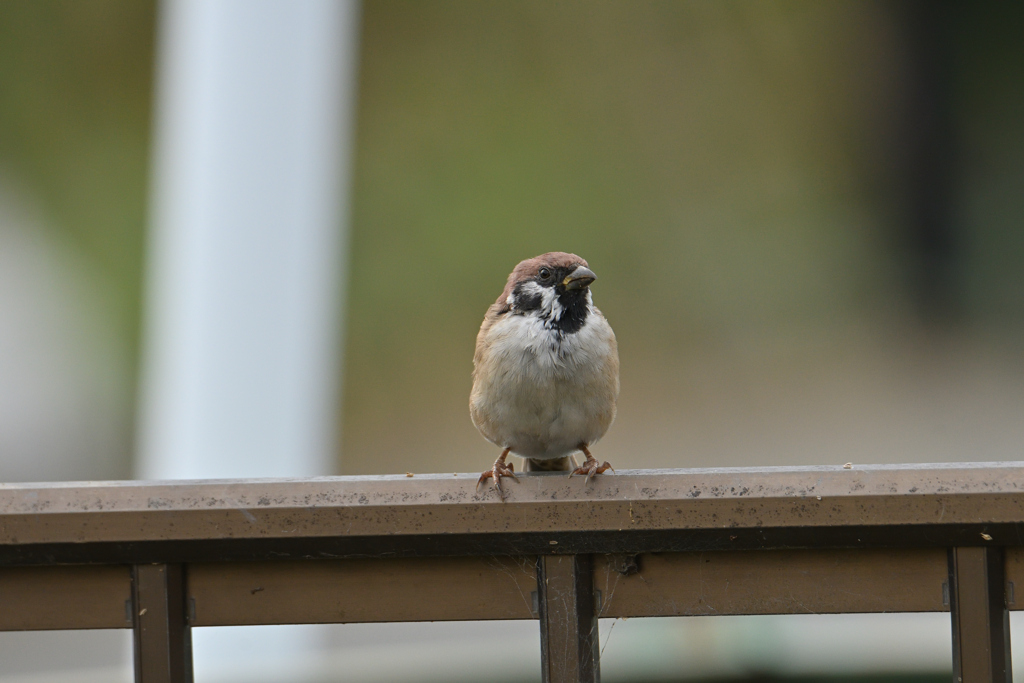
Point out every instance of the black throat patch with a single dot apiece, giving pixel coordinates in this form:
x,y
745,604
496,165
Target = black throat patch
x,y
574,311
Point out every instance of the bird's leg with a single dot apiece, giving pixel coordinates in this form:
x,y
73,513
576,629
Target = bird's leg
x,y
499,470
590,467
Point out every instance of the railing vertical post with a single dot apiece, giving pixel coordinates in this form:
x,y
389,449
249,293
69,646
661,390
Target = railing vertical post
x,y
568,619
162,636
981,622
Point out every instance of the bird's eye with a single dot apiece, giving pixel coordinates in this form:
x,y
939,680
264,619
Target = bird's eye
x,y
544,273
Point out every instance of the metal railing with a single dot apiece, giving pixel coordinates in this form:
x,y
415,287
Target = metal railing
x,y
162,557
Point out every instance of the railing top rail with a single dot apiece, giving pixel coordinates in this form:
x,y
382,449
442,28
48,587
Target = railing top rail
x,y
637,510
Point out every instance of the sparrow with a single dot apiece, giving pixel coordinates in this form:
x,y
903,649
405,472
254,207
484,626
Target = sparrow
x,y
546,369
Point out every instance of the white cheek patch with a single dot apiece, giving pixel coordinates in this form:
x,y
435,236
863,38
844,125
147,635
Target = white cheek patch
x,y
550,307
531,287
525,289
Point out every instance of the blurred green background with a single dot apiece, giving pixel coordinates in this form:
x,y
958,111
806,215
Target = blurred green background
x,y
76,79
741,178
740,175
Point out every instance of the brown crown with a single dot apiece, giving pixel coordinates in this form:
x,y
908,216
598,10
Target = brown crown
x,y
529,268
555,259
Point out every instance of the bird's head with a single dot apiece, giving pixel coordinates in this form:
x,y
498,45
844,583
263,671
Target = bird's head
x,y
554,287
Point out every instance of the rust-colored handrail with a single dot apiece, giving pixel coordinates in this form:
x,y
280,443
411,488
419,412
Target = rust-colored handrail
x,y
161,557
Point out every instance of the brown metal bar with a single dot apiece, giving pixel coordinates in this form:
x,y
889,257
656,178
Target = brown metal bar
x,y
163,641
675,584
981,622
351,591
1014,565
568,619
82,597
772,582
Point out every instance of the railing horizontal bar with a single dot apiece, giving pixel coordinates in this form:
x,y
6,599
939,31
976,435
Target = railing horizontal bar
x,y
773,582
352,591
75,597
477,545
484,588
935,505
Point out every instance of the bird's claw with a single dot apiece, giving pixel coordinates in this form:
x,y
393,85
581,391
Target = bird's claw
x,y
591,467
500,469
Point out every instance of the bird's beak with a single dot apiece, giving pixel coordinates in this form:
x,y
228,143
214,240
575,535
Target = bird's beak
x,y
579,278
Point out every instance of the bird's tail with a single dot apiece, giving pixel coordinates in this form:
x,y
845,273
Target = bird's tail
x,y
553,465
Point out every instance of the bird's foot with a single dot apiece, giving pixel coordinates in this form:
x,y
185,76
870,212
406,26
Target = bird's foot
x,y
499,470
590,466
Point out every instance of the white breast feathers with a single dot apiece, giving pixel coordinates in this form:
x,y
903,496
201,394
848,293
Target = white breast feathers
x,y
542,392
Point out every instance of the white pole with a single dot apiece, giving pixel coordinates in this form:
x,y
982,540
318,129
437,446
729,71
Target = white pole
x,y
241,349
